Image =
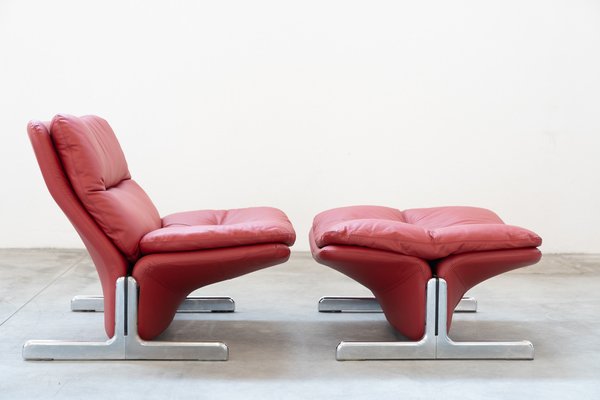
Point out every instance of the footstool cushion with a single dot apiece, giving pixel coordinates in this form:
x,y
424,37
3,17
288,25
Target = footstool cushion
x,y
394,253
427,233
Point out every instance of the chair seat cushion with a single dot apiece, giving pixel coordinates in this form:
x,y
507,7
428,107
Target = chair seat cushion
x,y
210,229
428,233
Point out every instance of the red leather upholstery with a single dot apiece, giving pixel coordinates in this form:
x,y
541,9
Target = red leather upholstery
x,y
463,271
428,233
394,253
109,261
397,281
166,279
95,165
210,229
86,173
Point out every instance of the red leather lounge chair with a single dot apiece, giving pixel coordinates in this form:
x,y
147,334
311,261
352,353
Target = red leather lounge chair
x,y
419,263
147,265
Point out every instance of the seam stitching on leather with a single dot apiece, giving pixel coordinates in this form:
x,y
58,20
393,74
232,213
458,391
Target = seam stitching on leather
x,y
396,284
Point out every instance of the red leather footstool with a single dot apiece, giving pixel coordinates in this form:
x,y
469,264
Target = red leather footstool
x,y
419,263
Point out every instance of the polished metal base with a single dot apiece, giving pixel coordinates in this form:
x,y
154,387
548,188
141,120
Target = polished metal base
x,y
125,344
435,344
467,304
192,304
370,305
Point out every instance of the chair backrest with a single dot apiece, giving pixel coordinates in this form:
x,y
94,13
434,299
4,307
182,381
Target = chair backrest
x,y
86,173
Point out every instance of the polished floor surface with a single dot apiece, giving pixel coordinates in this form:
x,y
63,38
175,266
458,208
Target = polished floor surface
x,y
282,348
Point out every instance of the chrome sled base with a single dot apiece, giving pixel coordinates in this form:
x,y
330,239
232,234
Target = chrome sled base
x,y
435,344
125,344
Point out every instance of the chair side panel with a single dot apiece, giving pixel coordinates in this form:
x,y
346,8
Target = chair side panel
x,y
110,263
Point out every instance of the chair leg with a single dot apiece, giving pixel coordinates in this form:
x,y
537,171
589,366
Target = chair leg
x,y
125,344
435,344
192,304
370,305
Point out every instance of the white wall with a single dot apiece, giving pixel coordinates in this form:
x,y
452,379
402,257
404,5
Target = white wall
x,y
316,104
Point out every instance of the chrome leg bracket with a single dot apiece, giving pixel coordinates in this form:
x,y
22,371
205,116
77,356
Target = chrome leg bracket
x,y
467,304
125,344
370,305
435,343
192,304
424,349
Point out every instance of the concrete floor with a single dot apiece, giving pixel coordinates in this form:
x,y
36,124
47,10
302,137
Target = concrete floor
x,y
281,348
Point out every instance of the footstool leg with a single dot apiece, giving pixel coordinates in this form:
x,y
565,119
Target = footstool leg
x,y
467,304
423,349
449,349
435,344
370,305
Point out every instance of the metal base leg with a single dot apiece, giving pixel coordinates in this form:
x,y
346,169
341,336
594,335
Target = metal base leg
x,y
467,304
370,305
125,344
192,304
423,349
435,344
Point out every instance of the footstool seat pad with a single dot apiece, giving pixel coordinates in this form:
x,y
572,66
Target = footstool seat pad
x,y
428,233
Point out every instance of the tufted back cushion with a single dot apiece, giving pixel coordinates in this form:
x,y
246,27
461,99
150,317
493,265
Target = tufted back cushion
x,y
95,165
